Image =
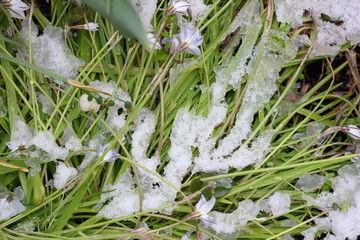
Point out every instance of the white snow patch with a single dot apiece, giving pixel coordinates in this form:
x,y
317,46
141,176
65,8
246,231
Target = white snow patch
x,y
124,201
310,182
23,135
114,119
279,203
341,224
329,36
47,107
228,224
50,52
63,175
146,10
88,106
198,9
9,209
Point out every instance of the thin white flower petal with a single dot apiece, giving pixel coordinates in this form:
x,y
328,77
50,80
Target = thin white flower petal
x,y
206,208
353,131
193,50
200,203
207,220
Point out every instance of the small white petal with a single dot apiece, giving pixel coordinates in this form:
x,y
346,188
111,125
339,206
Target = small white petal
x,y
16,8
187,235
206,208
193,50
353,131
152,39
111,156
179,8
207,220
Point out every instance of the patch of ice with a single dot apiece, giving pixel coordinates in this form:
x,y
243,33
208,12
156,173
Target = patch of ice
x,y
344,187
28,226
279,203
248,13
228,224
63,175
47,107
310,182
49,50
9,209
287,237
329,35
70,140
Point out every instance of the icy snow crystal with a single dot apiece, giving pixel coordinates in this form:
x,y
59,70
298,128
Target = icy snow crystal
x,y
146,10
310,182
230,223
329,35
8,209
279,203
198,9
341,224
23,135
50,52
63,175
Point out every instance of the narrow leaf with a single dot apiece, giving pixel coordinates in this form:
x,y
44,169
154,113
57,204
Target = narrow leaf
x,y
123,16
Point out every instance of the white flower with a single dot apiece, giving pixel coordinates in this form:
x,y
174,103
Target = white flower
x,y
88,26
188,40
187,235
203,207
179,8
16,8
352,130
152,39
110,156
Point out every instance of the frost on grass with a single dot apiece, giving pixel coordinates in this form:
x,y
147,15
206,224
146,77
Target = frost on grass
x,y
336,21
155,193
70,140
310,182
228,225
63,175
49,51
10,208
342,223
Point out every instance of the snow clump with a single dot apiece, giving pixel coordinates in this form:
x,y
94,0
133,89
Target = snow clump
x,y
50,52
8,208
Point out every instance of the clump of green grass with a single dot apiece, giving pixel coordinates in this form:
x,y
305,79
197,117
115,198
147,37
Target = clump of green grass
x,y
70,212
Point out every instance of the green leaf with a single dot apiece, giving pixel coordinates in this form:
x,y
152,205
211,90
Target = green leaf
x,y
123,16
